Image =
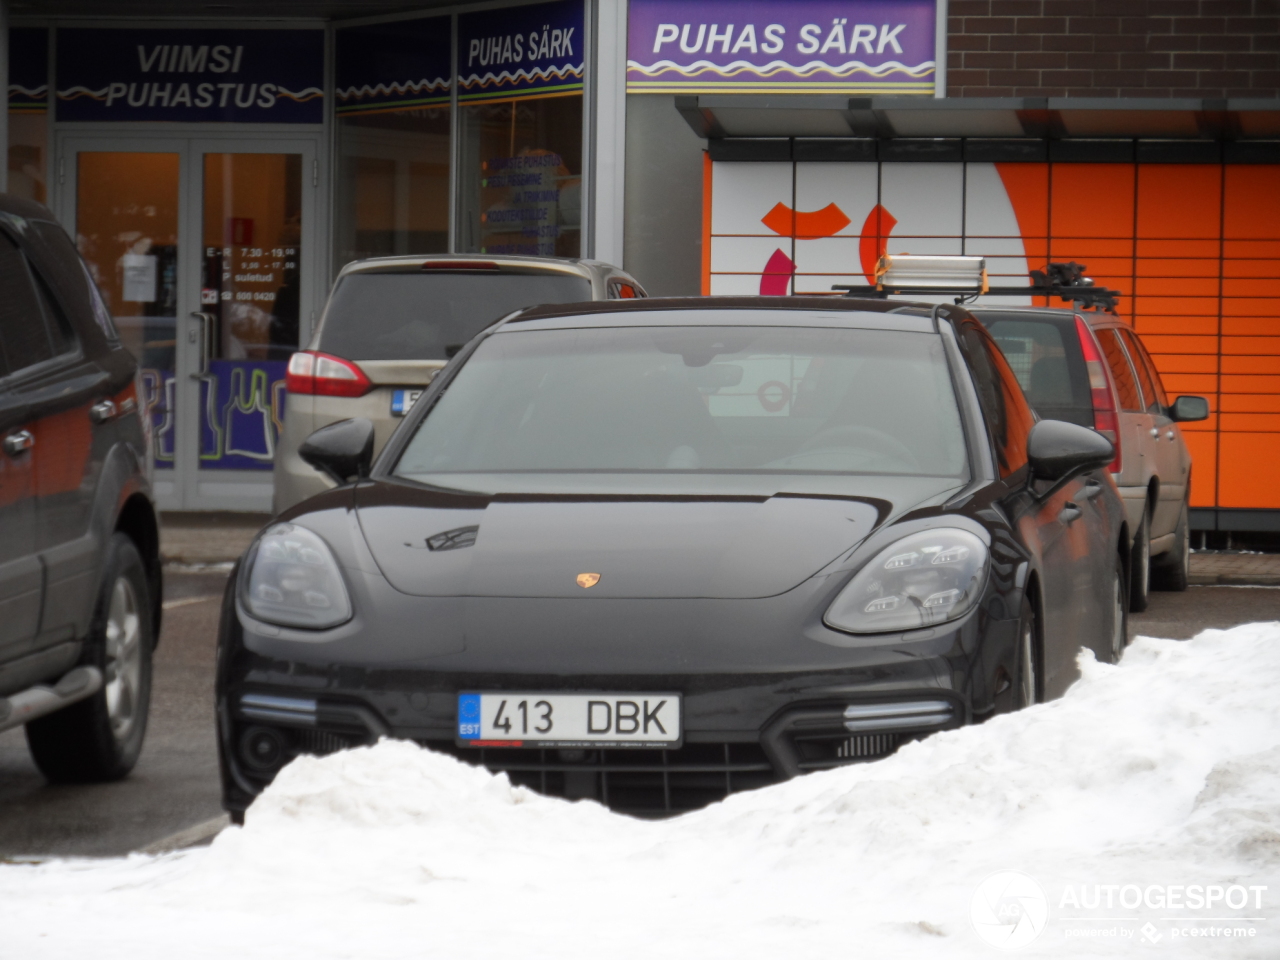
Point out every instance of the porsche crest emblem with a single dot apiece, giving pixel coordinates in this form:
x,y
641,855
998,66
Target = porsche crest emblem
x,y
586,580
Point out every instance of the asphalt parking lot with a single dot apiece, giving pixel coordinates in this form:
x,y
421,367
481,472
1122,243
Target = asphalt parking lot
x,y
175,785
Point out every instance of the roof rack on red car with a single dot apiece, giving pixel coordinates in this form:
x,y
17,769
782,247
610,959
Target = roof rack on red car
x,y
966,279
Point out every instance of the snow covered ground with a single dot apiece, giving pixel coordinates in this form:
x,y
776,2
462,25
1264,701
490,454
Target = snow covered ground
x,y
1155,779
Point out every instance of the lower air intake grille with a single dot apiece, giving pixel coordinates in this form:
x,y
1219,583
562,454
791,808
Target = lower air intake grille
x,y
835,750
323,742
643,783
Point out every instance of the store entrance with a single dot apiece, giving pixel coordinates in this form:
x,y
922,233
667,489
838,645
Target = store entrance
x,y
206,252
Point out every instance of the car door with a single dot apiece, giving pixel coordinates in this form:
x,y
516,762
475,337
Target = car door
x,y
1172,464
1135,422
24,350
1060,528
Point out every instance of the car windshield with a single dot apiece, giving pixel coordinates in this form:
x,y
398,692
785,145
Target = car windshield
x,y
714,399
429,316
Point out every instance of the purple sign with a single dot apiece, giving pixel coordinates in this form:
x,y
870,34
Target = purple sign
x,y
856,47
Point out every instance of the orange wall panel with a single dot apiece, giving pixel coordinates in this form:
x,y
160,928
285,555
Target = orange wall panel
x,y
1204,469
1262,422
1252,202
1251,403
1198,189
1108,189
1250,465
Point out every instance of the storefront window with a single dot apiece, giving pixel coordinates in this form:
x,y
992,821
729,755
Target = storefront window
x,y
28,117
393,139
393,183
521,190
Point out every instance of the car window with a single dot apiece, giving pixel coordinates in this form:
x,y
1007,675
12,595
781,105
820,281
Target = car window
x,y
430,316
1009,418
66,269
22,325
711,399
618,290
1126,386
1045,356
1152,388
59,328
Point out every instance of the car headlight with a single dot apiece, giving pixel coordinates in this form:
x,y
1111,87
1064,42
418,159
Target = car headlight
x,y
920,580
291,579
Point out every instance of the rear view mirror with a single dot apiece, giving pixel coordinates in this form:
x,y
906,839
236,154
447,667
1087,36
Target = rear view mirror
x,y
343,451
1057,449
1189,409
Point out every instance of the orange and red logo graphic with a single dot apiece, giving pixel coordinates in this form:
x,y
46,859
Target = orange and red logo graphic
x,y
775,281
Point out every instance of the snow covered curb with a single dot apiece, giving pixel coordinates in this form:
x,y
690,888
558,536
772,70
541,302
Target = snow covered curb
x,y
1163,772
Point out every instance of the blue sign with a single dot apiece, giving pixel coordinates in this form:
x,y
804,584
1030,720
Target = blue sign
x,y
28,70
468,716
228,76
393,66
520,51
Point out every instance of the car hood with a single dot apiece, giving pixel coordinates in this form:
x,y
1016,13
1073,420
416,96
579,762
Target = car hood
x,y
640,546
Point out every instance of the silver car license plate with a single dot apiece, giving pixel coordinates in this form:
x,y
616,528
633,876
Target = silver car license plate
x,y
403,400
512,719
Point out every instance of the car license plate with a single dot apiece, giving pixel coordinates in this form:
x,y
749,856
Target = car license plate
x,y
403,400
569,719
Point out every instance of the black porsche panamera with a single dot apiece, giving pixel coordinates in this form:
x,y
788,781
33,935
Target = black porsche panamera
x,y
654,552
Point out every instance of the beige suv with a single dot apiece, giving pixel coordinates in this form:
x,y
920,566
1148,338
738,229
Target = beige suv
x,y
1091,368
392,322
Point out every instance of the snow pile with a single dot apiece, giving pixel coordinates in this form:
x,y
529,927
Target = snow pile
x,y
1162,771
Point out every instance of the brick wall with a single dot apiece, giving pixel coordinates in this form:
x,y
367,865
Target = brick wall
x,y
1113,48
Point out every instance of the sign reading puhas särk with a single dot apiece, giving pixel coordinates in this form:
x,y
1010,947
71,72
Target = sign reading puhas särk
x,y
805,46
521,51
231,76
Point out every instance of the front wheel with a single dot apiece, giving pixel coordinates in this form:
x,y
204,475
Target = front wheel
x,y
1023,688
100,738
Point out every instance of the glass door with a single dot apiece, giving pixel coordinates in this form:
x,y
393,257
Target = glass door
x,y
126,217
255,253
204,251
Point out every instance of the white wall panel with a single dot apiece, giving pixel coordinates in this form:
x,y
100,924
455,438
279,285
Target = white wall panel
x,y
743,193
925,198
853,187
745,254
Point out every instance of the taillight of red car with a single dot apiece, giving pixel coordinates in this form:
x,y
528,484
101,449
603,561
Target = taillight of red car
x,y
1106,419
320,374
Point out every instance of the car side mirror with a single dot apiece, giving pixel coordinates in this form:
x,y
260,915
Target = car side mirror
x,y
1057,449
1189,409
343,451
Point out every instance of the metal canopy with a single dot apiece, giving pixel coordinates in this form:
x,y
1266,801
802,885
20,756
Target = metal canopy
x,y
722,116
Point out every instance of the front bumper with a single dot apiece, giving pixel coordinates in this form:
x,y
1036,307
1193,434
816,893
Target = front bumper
x,y
740,732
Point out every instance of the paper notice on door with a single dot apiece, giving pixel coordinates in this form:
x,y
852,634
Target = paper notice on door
x,y
139,277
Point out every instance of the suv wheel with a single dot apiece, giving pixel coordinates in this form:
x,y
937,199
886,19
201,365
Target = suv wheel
x,y
1140,565
1170,569
100,738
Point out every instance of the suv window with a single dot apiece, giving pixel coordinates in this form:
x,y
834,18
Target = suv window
x,y
1152,388
23,333
66,269
1045,355
1126,386
430,316
1008,417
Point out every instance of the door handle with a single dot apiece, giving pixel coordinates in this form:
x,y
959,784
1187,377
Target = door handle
x,y
1070,513
1091,489
208,326
19,442
103,410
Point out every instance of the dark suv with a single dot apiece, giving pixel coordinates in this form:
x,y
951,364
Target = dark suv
x,y
79,541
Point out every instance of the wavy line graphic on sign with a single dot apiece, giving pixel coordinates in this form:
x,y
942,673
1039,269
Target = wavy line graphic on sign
x,y
775,67
39,91
302,96
506,76
72,93
388,89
